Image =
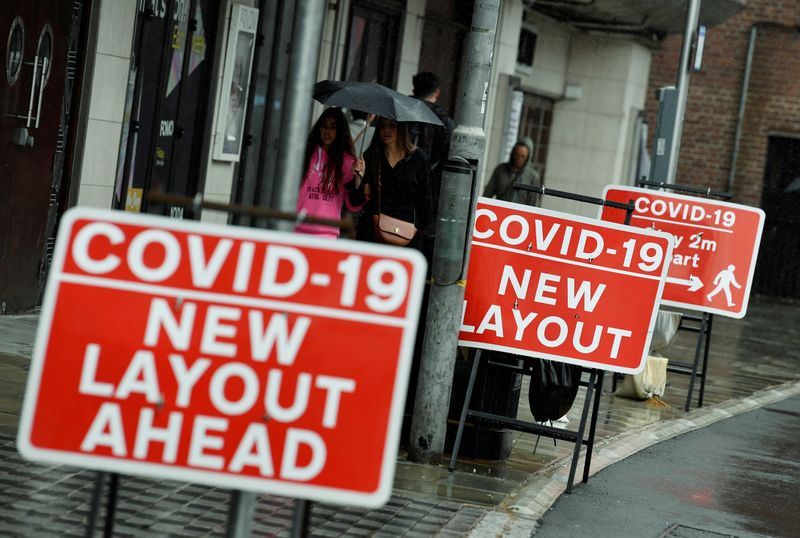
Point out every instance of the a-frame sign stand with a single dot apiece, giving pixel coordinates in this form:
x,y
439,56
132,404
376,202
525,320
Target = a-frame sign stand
x,y
593,385
700,324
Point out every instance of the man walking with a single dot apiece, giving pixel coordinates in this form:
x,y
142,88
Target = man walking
x,y
434,141
516,170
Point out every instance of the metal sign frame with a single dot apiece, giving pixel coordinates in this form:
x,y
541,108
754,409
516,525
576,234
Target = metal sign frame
x,y
406,322
719,222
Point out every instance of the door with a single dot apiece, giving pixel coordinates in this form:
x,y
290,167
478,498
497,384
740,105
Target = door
x,y
173,48
776,269
446,27
36,100
537,116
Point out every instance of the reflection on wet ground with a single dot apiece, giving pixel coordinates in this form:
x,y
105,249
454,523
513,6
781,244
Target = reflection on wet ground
x,y
746,355
736,477
762,479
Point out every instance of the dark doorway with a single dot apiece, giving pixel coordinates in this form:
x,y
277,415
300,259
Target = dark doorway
x,y
40,66
446,26
777,272
167,102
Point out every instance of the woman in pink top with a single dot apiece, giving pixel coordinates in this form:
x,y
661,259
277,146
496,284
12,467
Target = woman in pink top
x,y
333,174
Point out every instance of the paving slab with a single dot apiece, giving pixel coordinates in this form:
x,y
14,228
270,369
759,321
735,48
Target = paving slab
x,y
753,362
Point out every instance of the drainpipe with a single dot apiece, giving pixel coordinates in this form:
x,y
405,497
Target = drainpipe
x,y
737,138
692,17
336,37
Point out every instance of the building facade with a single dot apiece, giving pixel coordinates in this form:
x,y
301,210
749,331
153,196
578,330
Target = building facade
x,y
108,101
741,131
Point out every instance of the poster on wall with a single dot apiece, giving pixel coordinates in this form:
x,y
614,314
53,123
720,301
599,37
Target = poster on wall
x,y
235,81
516,100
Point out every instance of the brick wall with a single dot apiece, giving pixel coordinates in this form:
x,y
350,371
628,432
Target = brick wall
x,y
773,103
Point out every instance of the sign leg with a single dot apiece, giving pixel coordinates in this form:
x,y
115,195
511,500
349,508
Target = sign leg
x,y
696,363
240,514
94,506
581,428
593,426
111,508
471,385
705,361
301,519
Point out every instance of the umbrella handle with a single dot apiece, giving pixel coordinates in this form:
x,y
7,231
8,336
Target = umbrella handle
x,y
363,139
360,135
370,118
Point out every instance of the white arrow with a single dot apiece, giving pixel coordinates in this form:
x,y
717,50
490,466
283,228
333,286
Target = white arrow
x,y
693,282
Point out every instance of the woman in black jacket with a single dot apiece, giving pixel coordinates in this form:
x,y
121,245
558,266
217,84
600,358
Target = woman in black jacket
x,y
397,175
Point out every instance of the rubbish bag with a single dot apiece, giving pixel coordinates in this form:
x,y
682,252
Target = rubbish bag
x,y
665,329
649,383
553,388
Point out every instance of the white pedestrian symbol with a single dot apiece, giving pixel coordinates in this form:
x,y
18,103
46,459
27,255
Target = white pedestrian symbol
x,y
723,282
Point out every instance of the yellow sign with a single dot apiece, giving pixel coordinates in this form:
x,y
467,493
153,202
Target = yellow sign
x,y
133,202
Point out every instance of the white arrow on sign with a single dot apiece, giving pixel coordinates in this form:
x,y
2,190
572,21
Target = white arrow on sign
x,y
693,282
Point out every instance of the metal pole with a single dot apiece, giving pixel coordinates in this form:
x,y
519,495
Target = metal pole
x,y
456,210
111,505
692,17
737,138
306,33
300,519
278,69
336,37
240,514
257,114
94,505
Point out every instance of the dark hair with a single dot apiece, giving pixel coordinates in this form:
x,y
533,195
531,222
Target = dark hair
x,y
377,147
425,83
343,143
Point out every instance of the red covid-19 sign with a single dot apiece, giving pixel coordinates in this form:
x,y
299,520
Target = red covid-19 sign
x,y
715,246
229,356
562,287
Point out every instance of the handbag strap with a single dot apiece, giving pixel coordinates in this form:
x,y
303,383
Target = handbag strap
x,y
380,165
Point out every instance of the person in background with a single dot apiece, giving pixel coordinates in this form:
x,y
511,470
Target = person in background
x,y
333,177
517,169
434,142
405,194
393,161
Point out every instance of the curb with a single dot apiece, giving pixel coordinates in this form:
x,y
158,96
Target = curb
x,y
519,514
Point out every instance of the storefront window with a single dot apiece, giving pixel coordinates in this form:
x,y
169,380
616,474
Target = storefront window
x,y
372,45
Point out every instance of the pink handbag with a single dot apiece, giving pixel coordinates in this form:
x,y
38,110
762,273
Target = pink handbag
x,y
391,230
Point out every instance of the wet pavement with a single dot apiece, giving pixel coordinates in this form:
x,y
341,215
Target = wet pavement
x,y
753,362
738,477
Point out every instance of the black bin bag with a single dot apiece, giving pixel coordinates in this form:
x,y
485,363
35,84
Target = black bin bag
x,y
554,386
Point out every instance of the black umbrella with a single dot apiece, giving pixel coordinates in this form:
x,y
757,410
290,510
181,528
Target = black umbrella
x,y
374,98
